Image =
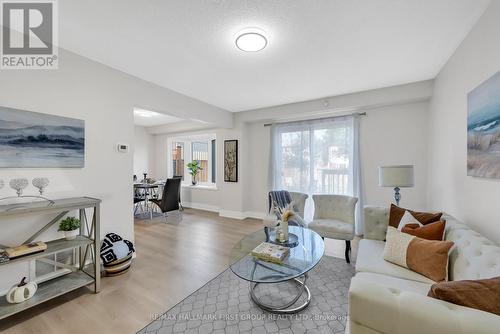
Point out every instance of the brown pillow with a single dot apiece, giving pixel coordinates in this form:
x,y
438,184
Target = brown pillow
x,y
432,231
483,294
396,213
426,257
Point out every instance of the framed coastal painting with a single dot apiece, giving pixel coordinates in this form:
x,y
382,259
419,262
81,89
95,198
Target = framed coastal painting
x,y
35,140
231,161
483,129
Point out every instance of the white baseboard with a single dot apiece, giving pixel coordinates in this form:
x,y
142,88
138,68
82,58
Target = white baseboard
x,y
240,215
232,214
201,206
256,215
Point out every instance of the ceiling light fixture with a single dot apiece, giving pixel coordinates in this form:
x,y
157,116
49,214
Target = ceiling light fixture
x,y
145,113
251,40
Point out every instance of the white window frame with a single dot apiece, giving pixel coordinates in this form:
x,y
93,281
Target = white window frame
x,y
188,155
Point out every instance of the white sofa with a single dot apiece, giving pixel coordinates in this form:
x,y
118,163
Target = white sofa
x,y
386,298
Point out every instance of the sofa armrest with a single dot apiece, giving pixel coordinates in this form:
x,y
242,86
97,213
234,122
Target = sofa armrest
x,y
394,311
376,222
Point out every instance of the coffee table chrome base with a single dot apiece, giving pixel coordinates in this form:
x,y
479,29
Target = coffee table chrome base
x,y
287,308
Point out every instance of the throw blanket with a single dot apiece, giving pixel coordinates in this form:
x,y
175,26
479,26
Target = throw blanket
x,y
282,198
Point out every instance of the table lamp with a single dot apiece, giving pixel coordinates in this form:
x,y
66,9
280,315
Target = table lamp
x,y
396,177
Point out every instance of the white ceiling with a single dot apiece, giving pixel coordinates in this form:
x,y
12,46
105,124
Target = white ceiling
x,y
154,118
316,48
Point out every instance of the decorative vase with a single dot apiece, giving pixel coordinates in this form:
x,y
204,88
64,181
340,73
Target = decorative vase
x,y
21,292
193,181
284,230
71,235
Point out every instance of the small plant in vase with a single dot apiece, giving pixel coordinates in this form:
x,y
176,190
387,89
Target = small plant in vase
x,y
194,168
284,216
70,226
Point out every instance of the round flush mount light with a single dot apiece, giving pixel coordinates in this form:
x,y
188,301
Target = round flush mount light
x,y
251,40
145,113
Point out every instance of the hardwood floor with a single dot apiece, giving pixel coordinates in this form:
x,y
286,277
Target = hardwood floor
x,y
173,260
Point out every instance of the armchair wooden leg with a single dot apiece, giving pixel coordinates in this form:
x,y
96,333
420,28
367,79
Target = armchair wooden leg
x,y
347,250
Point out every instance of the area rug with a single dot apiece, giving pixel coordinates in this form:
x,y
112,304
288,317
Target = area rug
x,y
224,305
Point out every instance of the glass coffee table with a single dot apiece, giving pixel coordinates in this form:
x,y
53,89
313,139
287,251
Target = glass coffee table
x,y
289,277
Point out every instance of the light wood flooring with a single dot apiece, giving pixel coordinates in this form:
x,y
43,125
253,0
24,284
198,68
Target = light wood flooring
x,y
173,260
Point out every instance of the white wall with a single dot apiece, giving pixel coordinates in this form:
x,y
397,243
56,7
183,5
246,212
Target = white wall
x,y
143,147
228,198
389,136
395,135
105,99
472,200
394,132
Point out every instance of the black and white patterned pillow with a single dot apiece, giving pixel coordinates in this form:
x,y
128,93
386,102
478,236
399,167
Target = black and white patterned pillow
x,y
114,247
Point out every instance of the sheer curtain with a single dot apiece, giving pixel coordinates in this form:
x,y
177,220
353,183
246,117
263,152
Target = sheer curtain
x,y
317,157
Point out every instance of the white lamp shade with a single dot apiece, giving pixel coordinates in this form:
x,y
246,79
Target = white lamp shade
x,y
396,176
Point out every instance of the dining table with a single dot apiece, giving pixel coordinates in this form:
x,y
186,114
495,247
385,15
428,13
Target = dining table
x,y
143,193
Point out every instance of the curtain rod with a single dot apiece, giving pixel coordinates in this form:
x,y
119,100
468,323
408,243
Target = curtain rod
x,y
320,119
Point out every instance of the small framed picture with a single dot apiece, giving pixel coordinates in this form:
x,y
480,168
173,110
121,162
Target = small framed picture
x,y
231,160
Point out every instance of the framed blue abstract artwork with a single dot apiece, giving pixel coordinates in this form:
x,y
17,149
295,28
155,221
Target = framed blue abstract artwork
x,y
34,140
483,129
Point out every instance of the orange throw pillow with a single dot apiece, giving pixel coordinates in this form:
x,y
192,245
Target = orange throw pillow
x,y
426,257
396,213
483,294
432,231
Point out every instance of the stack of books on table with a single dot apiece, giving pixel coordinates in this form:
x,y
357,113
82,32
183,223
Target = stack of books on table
x,y
271,252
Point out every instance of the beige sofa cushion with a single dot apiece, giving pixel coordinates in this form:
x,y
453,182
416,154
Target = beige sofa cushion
x,y
371,259
397,283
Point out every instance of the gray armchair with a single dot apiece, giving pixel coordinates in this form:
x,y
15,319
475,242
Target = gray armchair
x,y
299,199
334,218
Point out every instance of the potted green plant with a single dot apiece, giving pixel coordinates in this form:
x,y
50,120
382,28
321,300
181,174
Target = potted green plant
x,y
194,168
70,226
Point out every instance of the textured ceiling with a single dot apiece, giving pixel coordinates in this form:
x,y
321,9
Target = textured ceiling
x,y
316,48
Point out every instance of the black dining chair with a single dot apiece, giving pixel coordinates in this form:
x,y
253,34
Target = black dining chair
x,y
180,204
170,198
138,199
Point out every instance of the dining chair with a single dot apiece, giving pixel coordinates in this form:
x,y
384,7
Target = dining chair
x,y
170,198
138,199
334,217
180,204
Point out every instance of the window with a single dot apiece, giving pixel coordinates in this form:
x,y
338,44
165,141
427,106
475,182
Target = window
x,y
318,157
199,148
314,157
199,152
178,159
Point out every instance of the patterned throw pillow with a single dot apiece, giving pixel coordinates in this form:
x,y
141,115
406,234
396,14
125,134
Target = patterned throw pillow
x,y
396,213
426,257
114,247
